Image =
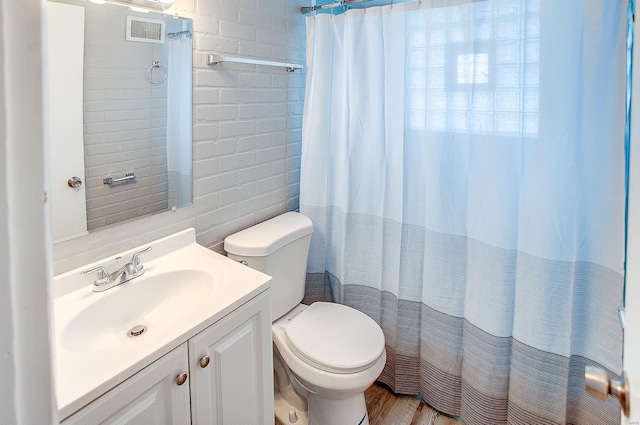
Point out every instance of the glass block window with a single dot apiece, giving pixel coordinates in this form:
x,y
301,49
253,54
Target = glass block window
x,y
474,68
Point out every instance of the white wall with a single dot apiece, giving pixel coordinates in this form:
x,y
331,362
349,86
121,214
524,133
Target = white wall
x,y
26,395
246,135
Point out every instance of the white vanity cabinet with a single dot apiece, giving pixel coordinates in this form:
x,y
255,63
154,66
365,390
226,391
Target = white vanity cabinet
x,y
229,378
231,368
151,396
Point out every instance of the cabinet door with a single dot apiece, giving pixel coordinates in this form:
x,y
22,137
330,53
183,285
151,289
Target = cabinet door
x,y
232,368
151,396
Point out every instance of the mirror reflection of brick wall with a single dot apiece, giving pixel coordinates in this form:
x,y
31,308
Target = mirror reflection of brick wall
x,y
125,118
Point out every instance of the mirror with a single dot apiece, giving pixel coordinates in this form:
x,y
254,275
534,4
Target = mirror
x,y
120,84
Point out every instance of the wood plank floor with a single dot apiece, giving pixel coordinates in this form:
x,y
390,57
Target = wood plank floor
x,y
387,408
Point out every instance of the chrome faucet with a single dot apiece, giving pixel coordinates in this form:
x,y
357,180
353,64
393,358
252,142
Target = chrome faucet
x,y
131,270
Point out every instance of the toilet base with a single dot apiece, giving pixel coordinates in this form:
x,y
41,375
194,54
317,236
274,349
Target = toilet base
x,y
350,411
322,411
283,411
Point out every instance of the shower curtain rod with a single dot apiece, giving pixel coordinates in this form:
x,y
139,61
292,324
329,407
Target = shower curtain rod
x,y
432,3
178,34
309,9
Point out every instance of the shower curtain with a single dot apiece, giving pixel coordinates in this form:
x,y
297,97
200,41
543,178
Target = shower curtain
x,y
463,163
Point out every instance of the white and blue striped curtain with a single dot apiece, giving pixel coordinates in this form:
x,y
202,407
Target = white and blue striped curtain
x,y
463,163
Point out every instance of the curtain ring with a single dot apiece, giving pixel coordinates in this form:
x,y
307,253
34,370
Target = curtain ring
x,y
156,64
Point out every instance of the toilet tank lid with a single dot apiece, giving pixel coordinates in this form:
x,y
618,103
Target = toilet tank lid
x,y
269,236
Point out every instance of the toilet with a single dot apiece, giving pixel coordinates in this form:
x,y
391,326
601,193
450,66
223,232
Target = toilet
x,y
325,355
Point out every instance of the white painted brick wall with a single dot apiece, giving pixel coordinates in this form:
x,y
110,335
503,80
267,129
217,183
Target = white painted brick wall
x,y
246,129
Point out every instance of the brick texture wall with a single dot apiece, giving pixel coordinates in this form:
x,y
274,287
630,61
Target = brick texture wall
x,y
246,129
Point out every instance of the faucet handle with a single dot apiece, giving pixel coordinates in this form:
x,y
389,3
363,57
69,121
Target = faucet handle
x,y
101,278
135,259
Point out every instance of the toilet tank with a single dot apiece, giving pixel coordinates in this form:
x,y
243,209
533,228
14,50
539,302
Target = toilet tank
x,y
278,247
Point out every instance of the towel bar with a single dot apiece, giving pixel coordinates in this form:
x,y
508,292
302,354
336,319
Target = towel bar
x,y
111,180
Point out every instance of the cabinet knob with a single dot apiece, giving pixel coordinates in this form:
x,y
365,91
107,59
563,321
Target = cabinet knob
x,y
182,378
204,362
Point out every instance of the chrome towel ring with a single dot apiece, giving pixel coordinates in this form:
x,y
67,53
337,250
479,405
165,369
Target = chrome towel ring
x,y
156,64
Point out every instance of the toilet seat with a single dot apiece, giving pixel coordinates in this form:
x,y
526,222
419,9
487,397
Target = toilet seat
x,y
335,338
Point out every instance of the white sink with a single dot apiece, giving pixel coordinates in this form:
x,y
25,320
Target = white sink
x,y
154,300
184,289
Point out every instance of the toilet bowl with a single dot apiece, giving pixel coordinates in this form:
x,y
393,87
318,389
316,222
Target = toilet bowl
x,y
325,355
335,372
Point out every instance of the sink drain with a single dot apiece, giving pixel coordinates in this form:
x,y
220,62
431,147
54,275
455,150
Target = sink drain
x,y
137,331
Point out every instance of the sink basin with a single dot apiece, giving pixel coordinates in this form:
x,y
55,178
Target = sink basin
x,y
155,301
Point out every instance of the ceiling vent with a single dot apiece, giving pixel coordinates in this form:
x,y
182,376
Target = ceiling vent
x,y
145,30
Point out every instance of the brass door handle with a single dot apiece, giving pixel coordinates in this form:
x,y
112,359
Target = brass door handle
x,y
598,384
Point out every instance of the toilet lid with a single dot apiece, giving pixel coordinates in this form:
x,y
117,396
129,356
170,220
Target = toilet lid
x,y
335,338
